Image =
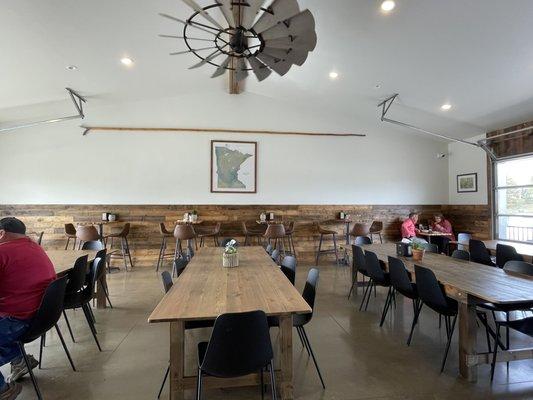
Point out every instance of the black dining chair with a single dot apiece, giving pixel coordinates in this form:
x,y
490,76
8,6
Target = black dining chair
x,y
432,295
275,256
82,297
101,273
462,240
461,255
239,345
76,282
505,253
288,267
479,253
401,282
167,285
430,247
378,277
362,240
358,267
93,245
45,319
178,266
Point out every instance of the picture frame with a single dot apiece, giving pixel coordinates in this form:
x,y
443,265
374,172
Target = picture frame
x,y
467,183
233,166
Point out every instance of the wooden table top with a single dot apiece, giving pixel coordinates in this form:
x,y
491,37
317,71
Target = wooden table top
x,y
486,283
205,289
64,260
182,222
434,233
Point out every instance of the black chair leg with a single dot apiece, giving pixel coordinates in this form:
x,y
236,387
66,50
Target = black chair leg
x,y
28,366
386,306
304,343
313,356
164,381
91,314
41,349
452,328
367,289
273,381
91,326
493,364
418,308
65,348
370,293
68,326
199,385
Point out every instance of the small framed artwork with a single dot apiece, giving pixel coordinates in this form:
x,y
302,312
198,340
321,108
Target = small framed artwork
x,y
467,183
233,167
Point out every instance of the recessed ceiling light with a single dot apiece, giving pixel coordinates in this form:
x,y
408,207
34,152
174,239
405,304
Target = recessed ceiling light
x,y
72,67
445,107
377,86
388,5
333,75
126,61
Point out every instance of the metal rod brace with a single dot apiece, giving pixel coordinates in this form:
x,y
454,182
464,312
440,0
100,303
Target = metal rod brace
x,y
76,98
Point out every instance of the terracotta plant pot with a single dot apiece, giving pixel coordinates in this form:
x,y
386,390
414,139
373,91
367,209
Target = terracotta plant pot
x,y
418,255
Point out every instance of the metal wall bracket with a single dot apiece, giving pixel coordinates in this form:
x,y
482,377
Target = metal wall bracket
x,y
76,98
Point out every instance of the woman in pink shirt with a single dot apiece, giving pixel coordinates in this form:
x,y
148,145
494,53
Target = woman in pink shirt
x,y
440,224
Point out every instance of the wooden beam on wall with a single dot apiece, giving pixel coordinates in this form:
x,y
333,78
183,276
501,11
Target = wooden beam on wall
x,y
235,87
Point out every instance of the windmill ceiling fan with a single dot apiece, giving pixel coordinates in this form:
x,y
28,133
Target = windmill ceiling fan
x,y
252,38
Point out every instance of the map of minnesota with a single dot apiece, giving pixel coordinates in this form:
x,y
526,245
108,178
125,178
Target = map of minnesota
x,y
228,165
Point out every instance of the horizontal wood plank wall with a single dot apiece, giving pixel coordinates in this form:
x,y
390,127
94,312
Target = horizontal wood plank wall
x,y
515,143
145,238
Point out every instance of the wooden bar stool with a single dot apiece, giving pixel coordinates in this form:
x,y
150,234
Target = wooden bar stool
x,y
87,233
124,253
250,234
289,230
70,233
375,229
276,233
183,232
214,233
324,231
166,234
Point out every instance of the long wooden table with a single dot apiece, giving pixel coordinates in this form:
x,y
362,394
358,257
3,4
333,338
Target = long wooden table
x,y
64,260
470,283
205,290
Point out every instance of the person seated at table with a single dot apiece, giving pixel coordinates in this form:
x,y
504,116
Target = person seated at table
x,y
25,273
442,225
409,229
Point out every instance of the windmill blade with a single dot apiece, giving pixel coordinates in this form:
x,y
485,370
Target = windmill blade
x,y
240,72
305,42
214,54
189,51
295,26
280,10
226,8
196,7
222,68
186,23
261,71
277,65
248,13
188,38
294,56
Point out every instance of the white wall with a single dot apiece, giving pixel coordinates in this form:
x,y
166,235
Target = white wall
x,y
54,164
465,159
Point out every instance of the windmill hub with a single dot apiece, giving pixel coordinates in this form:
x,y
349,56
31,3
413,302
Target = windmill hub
x,y
238,41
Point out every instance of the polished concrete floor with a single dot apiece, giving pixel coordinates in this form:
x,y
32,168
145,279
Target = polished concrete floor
x,y
359,360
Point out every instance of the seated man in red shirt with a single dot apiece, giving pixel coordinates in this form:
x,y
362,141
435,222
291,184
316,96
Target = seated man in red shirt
x,y
25,273
409,229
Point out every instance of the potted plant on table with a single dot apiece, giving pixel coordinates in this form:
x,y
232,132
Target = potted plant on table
x,y
418,251
230,257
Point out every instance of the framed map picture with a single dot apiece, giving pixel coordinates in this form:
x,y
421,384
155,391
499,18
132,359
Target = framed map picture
x,y
467,183
233,167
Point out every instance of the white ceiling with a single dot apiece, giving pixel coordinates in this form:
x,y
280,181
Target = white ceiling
x,y
475,54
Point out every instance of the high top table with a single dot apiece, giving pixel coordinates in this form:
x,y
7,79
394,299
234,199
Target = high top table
x,y
470,283
63,261
205,290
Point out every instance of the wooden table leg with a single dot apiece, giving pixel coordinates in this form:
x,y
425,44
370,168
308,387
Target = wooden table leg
x,y
285,325
467,339
101,301
177,359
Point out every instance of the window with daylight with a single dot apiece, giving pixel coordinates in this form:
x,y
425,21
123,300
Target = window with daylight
x,y
514,199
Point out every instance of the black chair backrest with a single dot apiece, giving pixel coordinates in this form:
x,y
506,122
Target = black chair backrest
x,y
479,252
361,240
92,245
239,345
224,242
167,280
309,294
275,256
506,253
461,255
49,311
399,276
429,289
103,255
358,257
373,267
463,238
520,267
430,247
94,271
180,264
288,267
76,276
